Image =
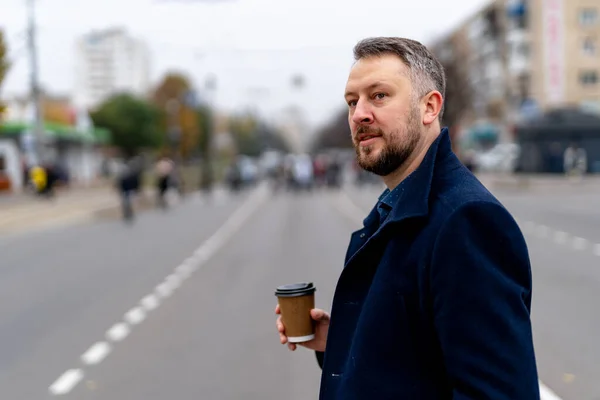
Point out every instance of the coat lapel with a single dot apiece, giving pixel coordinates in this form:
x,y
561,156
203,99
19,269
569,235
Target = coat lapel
x,y
412,202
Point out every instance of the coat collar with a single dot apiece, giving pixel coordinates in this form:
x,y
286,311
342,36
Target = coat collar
x,y
413,192
412,199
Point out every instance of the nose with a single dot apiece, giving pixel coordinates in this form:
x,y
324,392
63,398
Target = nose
x,y
362,113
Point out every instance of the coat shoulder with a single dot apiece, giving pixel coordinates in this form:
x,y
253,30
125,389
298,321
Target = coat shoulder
x,y
457,190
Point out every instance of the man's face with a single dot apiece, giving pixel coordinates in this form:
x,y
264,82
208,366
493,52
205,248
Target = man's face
x,y
384,115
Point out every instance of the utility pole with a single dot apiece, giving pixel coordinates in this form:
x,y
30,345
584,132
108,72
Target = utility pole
x,y
207,173
38,128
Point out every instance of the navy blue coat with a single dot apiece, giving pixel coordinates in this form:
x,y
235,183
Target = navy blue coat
x,y
435,302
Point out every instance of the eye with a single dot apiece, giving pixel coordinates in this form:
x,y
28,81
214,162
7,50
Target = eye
x,y
380,96
352,103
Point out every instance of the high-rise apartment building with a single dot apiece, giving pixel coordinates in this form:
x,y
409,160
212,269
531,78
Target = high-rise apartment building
x,y
109,62
527,56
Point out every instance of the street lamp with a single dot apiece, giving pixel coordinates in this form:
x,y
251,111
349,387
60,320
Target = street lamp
x,y
38,123
298,81
172,107
207,175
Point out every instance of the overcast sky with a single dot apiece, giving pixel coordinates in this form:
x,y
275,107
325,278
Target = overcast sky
x,y
247,44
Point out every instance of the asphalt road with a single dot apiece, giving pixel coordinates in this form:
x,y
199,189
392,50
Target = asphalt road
x,y
180,304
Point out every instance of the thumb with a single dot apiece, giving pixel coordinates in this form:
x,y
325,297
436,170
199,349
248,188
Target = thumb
x,y
319,315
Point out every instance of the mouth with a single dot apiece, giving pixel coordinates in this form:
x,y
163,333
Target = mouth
x,y
367,139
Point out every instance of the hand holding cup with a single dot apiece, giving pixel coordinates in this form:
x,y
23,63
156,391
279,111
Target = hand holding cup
x,y
299,322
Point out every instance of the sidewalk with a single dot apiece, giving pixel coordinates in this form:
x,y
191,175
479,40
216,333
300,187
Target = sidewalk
x,y
538,182
23,213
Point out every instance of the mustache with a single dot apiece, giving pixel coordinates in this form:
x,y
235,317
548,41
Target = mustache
x,y
368,130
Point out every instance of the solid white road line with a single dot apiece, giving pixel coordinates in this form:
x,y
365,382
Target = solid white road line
x,y
547,394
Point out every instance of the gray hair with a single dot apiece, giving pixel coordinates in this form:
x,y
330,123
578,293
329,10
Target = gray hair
x,y
426,72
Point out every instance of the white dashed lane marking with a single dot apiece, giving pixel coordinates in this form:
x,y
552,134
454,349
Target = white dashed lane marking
x,y
150,302
96,353
135,316
66,382
118,332
559,237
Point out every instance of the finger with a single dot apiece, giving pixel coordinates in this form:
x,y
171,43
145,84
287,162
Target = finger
x,y
282,338
277,309
280,326
319,315
291,346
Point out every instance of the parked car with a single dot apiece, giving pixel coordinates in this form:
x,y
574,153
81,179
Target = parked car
x,y
501,158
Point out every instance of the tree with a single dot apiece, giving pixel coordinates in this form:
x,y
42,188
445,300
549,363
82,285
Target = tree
x,y
206,128
453,55
174,85
172,98
57,111
134,123
244,129
4,65
336,134
273,139
253,136
458,93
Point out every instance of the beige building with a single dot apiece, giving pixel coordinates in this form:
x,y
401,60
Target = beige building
x,y
523,56
563,39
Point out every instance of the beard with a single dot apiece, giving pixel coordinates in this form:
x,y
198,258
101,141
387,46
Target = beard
x,y
397,148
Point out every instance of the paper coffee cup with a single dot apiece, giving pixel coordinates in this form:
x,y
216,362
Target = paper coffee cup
x,y
296,301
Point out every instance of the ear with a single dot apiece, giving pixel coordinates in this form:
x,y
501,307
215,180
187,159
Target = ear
x,y
433,102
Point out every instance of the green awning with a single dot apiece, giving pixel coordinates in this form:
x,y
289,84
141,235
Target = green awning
x,y
59,131
484,132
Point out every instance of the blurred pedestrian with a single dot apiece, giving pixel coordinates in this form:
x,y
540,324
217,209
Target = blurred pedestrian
x,y
302,171
128,184
164,175
434,299
233,175
575,161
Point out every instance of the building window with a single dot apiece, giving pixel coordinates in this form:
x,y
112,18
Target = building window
x,y
588,16
589,46
523,49
588,78
524,83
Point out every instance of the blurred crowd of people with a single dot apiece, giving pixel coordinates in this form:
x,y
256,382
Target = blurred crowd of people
x,y
294,172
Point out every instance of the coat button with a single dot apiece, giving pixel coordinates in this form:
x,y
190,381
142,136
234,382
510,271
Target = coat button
x,y
362,235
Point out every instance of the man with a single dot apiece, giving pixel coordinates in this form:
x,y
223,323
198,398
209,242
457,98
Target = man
x,y
128,184
164,172
434,299
575,161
